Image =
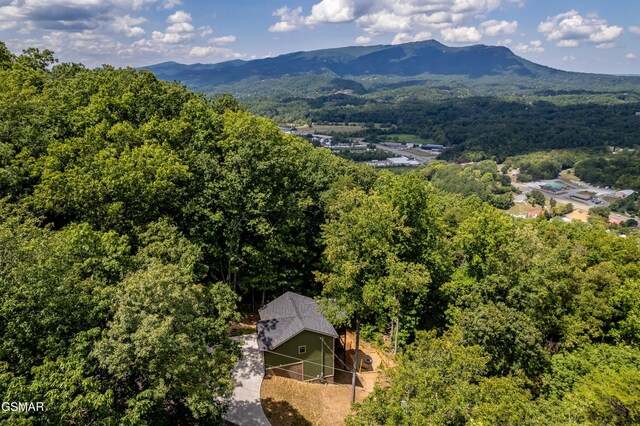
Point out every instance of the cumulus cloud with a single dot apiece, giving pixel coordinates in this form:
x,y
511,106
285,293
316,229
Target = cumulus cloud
x,y
213,52
570,29
82,43
363,40
128,25
223,40
568,58
634,29
290,19
630,56
461,35
534,46
205,31
66,15
171,38
332,11
179,17
495,28
178,31
405,38
406,20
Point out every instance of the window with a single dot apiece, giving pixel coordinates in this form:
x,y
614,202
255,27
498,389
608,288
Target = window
x,y
302,349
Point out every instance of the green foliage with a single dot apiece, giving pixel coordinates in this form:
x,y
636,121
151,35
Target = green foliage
x,y
481,179
618,170
368,275
545,164
167,347
536,197
134,213
440,381
600,211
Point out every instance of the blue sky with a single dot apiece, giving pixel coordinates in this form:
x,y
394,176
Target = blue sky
x,y
588,35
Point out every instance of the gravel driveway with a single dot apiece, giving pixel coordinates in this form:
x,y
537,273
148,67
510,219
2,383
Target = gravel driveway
x,y
245,407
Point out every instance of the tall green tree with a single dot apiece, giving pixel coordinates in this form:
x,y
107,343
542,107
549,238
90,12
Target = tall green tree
x,y
365,274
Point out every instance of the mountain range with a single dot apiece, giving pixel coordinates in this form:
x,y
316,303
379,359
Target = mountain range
x,y
364,68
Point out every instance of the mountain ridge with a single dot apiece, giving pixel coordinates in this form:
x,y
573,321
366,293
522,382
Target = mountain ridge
x,y
334,68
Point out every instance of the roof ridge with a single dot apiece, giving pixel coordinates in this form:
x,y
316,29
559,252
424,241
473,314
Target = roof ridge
x,y
295,306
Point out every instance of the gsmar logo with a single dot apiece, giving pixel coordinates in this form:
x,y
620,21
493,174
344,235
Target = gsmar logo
x,y
22,406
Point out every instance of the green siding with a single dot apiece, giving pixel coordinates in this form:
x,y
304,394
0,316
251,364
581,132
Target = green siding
x,y
313,342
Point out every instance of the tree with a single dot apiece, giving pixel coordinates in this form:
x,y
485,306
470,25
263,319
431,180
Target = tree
x,y
6,57
438,380
510,337
167,348
536,197
600,211
365,274
568,208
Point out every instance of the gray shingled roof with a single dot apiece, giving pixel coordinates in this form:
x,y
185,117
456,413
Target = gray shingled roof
x,y
287,316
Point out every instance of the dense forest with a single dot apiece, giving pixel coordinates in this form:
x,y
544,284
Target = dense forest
x,y
474,127
135,215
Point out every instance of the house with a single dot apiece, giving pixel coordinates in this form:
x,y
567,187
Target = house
x,y
582,196
624,193
296,340
429,146
554,186
402,161
535,213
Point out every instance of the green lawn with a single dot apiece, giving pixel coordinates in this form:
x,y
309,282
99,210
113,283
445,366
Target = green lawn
x,y
419,152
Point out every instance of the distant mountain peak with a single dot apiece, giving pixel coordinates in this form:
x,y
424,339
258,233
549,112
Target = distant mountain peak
x,y
420,58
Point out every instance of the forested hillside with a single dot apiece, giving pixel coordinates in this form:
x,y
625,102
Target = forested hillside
x,y
135,214
475,127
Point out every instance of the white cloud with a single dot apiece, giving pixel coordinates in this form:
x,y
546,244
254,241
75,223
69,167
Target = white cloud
x,y
461,35
568,58
630,56
634,29
171,38
170,4
179,31
128,25
570,29
205,31
568,43
534,46
223,40
290,19
180,27
406,19
66,15
7,25
179,17
605,46
213,52
332,11
495,28
405,38
363,40
80,42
